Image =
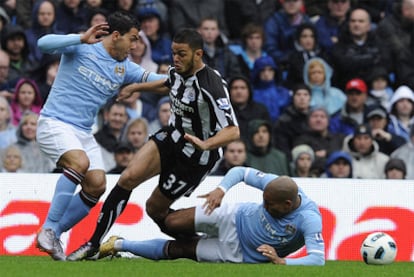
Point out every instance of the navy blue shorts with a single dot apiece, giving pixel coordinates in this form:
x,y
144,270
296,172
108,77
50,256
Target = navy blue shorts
x,y
180,175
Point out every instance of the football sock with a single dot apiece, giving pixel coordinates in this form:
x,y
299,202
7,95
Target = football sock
x,y
65,187
78,208
113,206
150,249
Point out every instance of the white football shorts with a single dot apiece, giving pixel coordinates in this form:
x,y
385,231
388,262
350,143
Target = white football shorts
x,y
56,138
221,243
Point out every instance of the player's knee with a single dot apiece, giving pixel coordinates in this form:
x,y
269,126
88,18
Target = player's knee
x,y
172,221
153,210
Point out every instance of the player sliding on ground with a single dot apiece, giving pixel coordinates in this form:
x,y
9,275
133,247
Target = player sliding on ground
x,y
240,232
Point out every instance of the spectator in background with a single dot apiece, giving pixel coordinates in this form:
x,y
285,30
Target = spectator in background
x,y
293,121
71,17
406,153
395,35
12,160
357,52
380,91
7,130
6,85
317,75
34,161
306,48
378,119
235,154
250,49
96,16
142,55
245,108
401,111
302,159
151,25
354,110
14,42
260,152
217,53
163,115
239,13
338,165
129,6
160,5
109,135
367,161
280,29
266,90
318,137
395,169
26,98
136,133
123,154
43,22
187,14
44,75
331,24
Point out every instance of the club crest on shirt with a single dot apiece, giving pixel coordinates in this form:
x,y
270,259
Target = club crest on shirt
x,y
119,70
290,229
188,96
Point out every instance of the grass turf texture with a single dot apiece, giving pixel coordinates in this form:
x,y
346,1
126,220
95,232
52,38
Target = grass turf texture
x,y
43,266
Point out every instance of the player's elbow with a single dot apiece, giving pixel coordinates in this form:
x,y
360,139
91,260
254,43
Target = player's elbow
x,y
318,259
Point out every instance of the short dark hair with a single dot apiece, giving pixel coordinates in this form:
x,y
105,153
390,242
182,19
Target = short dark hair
x,y
122,22
190,37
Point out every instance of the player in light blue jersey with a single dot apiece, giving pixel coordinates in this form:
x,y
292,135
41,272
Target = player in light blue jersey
x,y
240,232
93,68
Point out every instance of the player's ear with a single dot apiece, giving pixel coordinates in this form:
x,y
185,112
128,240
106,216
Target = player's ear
x,y
115,35
199,53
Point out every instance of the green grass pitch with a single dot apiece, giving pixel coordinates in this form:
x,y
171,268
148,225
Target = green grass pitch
x,y
43,266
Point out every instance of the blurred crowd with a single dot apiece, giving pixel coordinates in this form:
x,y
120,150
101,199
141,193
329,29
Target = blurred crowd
x,y
320,88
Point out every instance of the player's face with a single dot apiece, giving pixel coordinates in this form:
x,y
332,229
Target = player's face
x,y
124,44
276,209
184,58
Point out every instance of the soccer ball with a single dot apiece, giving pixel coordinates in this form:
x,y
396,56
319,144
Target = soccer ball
x,y
378,248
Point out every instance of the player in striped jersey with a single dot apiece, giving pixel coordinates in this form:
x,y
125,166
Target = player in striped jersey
x,y
183,153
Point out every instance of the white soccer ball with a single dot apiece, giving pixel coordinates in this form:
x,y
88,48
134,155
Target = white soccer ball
x,y
378,248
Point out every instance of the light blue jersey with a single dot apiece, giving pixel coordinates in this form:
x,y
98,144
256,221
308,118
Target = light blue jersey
x,y
87,78
255,226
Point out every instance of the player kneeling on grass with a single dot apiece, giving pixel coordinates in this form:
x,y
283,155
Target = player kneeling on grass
x,y
240,232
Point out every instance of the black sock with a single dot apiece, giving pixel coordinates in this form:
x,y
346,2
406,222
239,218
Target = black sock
x,y
117,198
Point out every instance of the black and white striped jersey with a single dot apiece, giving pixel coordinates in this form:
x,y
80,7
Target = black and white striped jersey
x,y
200,106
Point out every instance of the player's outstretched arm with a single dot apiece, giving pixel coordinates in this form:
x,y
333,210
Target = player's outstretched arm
x,y
155,86
222,138
213,200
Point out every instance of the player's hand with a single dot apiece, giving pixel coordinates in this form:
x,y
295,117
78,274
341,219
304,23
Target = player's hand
x,y
126,92
269,252
95,33
198,143
213,200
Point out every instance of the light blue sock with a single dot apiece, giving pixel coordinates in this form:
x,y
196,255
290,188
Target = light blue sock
x,y
63,195
150,249
75,212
